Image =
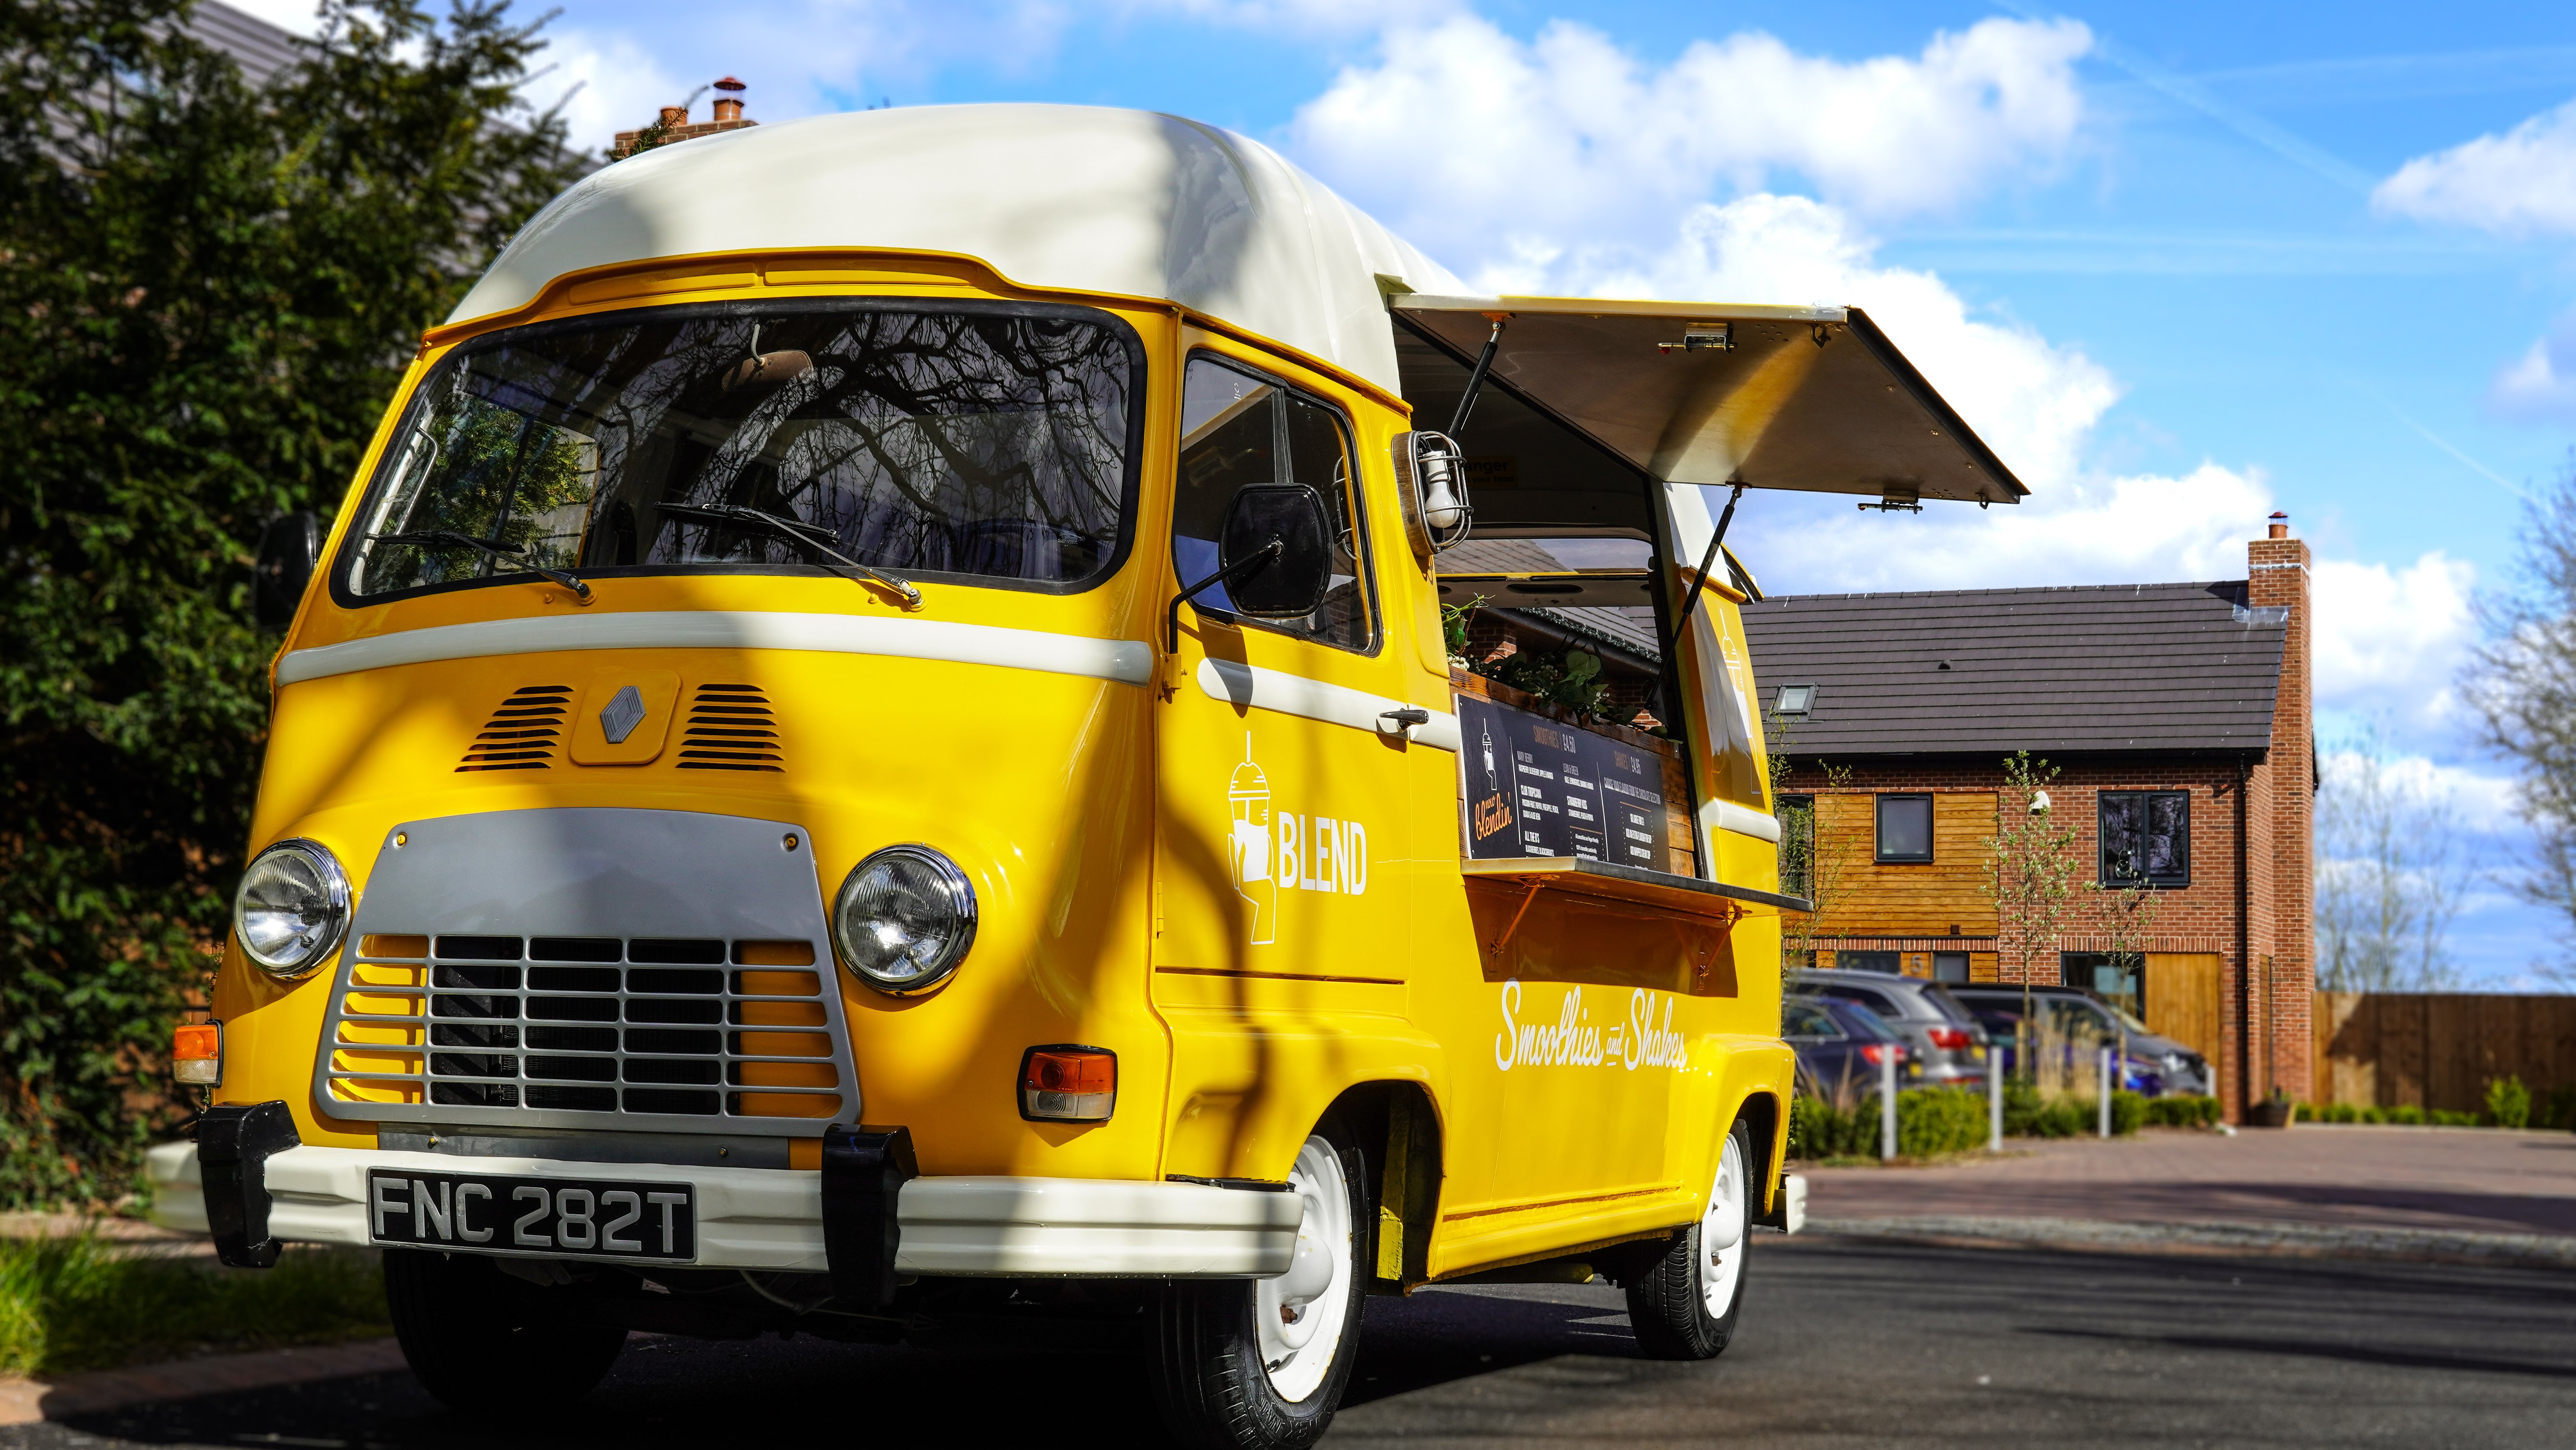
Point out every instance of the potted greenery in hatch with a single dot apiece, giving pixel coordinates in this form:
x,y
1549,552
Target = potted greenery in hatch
x,y
2273,1112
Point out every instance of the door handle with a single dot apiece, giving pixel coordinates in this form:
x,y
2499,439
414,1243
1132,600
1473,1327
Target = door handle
x,y
1410,715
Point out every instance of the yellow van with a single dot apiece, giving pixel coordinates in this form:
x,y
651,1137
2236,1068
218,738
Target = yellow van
x,y
874,745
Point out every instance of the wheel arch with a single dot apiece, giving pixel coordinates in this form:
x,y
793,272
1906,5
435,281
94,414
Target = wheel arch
x,y
1399,1127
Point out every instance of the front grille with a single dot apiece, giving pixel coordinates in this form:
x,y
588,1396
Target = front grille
x,y
730,727
524,732
656,1026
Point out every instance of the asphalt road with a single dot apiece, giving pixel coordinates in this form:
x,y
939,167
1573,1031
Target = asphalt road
x,y
1844,1343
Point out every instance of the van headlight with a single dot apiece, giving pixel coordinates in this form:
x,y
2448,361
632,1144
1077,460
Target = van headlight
x,y
292,908
904,919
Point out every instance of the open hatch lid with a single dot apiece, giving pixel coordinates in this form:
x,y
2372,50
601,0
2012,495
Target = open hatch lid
x,y
1808,398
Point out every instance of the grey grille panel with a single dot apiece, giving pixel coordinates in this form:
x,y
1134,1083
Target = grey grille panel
x,y
668,971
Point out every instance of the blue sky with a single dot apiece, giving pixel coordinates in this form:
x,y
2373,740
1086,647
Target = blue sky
x,y
2181,263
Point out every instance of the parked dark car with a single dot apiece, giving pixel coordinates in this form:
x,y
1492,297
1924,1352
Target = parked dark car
x,y
1840,1046
2154,1065
1945,1037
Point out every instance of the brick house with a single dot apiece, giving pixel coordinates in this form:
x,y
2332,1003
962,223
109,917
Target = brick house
x,y
2179,718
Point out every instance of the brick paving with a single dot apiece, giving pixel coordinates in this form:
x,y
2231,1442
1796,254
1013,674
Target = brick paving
x,y
2428,1180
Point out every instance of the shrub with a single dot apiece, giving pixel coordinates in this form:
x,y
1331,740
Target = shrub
x,y
1934,1121
2182,1112
2559,1111
2405,1113
2128,1112
2446,1118
2508,1102
1929,1123
77,1303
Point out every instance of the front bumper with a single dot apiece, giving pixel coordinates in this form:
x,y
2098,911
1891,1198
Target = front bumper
x,y
771,1218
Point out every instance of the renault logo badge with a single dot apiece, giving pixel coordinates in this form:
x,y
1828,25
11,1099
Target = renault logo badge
x,y
619,717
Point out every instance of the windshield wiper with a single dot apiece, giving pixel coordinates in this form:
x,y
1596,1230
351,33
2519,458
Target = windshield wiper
x,y
795,531
493,547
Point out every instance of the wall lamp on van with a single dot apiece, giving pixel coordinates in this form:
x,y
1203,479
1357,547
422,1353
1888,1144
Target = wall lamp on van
x,y
292,908
904,919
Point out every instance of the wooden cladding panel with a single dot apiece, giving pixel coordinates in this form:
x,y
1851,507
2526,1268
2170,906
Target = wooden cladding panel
x,y
2439,1049
1924,898
2183,999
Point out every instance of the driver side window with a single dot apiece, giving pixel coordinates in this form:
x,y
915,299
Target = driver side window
x,y
1240,428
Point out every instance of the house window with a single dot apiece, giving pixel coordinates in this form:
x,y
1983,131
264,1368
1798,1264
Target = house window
x,y
1888,962
1905,828
2146,836
1793,700
1949,966
2117,978
1797,817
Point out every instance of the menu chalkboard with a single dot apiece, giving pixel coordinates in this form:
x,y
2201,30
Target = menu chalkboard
x,y
1534,787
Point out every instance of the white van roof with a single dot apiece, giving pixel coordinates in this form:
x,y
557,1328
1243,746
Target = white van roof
x,y
1085,198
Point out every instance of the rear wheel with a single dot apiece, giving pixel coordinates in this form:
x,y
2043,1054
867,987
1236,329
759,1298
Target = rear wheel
x,y
1260,1364
487,1343
1685,1304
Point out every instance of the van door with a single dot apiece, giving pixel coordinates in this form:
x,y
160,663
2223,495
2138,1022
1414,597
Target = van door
x,y
1281,915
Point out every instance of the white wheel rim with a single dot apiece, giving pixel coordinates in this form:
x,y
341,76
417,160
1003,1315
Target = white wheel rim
x,y
1299,1316
1722,1238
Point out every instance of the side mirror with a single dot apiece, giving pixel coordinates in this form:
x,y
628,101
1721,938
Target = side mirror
x,y
1431,477
1290,585
288,549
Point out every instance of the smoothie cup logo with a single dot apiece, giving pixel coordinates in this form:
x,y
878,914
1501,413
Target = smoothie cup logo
x,y
1248,846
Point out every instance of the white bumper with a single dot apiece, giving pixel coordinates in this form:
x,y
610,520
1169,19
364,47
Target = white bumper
x,y
767,1218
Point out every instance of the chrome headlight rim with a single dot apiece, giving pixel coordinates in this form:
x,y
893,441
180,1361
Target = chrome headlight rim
x,y
957,893
335,883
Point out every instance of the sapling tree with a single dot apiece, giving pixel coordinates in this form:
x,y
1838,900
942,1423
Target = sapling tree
x,y
2030,870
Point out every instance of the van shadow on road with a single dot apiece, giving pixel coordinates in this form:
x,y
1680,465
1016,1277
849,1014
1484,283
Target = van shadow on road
x,y
1844,1343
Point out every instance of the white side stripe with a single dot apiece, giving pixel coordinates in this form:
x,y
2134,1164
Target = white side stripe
x,y
1261,689
1746,822
1127,661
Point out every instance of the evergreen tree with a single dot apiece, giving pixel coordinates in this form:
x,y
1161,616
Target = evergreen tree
x,y
208,290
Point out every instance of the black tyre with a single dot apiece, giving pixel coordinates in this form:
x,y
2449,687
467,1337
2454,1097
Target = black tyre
x,y
1684,1304
1261,1364
487,1343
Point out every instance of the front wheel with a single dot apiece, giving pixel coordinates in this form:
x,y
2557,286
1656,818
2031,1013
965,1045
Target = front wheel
x,y
486,1343
1685,1304
1260,1364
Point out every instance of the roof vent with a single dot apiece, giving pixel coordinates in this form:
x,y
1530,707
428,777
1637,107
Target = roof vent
x,y
524,733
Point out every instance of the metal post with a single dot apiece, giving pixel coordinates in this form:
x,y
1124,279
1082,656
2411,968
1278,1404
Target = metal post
x,y
1887,1103
1994,1099
2106,1092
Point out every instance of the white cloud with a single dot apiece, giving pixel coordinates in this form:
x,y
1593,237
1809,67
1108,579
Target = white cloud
x,y
2519,183
2540,386
1304,17
1461,135
2479,802
303,17
614,85
2390,640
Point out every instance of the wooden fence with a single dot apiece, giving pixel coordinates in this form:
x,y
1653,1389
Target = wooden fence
x,y
2439,1049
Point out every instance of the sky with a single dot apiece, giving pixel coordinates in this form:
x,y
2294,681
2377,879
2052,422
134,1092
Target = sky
x,y
2181,264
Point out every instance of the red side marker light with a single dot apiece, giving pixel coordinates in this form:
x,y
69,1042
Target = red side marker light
x,y
1068,1084
197,1053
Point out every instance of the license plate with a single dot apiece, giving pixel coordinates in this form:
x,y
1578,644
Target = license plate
x,y
557,1217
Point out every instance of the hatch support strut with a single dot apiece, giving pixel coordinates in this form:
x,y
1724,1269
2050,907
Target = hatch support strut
x,y
1707,562
1476,379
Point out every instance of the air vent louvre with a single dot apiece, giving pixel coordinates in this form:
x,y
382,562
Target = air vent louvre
x,y
731,727
524,732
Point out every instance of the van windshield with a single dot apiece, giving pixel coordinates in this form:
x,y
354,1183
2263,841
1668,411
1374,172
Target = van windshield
x,y
984,444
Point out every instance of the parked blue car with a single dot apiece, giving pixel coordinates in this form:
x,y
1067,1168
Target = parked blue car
x,y
1840,1046
2152,1066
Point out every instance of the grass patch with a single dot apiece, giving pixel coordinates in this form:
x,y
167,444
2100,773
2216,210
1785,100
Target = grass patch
x,y
80,1303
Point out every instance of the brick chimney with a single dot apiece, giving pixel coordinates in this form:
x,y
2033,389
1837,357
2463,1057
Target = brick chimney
x,y
2282,926
676,126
